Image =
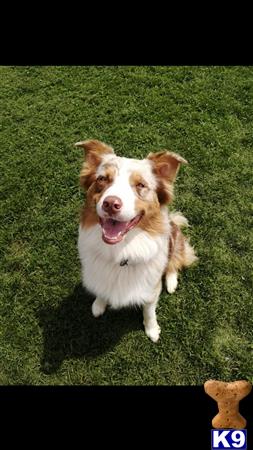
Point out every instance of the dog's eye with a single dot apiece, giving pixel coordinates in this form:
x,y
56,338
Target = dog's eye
x,y
140,185
101,178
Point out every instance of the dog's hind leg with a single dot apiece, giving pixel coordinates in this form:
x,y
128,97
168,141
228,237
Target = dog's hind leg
x,y
181,253
98,307
171,280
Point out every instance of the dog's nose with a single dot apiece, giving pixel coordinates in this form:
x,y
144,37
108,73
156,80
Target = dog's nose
x,y
112,204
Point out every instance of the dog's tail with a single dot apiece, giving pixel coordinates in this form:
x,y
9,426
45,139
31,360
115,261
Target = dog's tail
x,y
178,219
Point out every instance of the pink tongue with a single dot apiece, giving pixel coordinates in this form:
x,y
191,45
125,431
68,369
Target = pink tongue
x,y
112,227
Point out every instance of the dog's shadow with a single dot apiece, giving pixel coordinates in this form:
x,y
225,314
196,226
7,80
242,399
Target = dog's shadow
x,y
70,331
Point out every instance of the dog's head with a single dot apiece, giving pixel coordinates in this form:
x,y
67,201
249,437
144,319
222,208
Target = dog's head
x,y
124,193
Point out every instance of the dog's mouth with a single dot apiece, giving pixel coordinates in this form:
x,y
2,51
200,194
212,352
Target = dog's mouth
x,y
113,230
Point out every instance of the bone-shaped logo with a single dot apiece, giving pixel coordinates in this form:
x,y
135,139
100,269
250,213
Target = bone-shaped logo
x,y
228,395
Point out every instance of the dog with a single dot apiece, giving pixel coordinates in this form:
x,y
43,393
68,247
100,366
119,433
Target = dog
x,y
127,239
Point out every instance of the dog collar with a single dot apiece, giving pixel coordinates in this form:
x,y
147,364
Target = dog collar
x,y
123,262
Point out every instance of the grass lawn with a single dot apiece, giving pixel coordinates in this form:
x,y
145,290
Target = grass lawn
x,y
47,332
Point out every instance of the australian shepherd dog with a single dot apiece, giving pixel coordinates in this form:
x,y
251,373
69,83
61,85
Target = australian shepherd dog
x,y
128,239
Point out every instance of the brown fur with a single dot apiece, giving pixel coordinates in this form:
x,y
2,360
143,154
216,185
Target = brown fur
x,y
136,179
93,157
89,215
176,248
164,192
181,253
165,167
151,221
94,147
110,172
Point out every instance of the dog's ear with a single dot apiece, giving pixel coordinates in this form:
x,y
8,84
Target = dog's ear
x,y
93,152
166,164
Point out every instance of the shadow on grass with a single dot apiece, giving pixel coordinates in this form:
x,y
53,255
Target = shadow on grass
x,y
71,330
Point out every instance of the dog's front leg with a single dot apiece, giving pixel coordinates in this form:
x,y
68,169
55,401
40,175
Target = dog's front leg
x,y
98,307
152,328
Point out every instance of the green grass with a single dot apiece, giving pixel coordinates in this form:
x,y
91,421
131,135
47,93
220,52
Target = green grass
x,y
47,333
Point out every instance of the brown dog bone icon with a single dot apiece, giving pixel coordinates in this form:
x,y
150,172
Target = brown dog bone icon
x,y
228,395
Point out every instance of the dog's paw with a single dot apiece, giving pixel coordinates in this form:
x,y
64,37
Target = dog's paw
x,y
98,307
171,282
153,333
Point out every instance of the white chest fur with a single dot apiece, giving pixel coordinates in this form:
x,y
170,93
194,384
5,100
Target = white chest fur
x,y
131,284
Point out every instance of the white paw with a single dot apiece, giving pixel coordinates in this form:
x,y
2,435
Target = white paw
x,y
171,282
153,333
98,307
